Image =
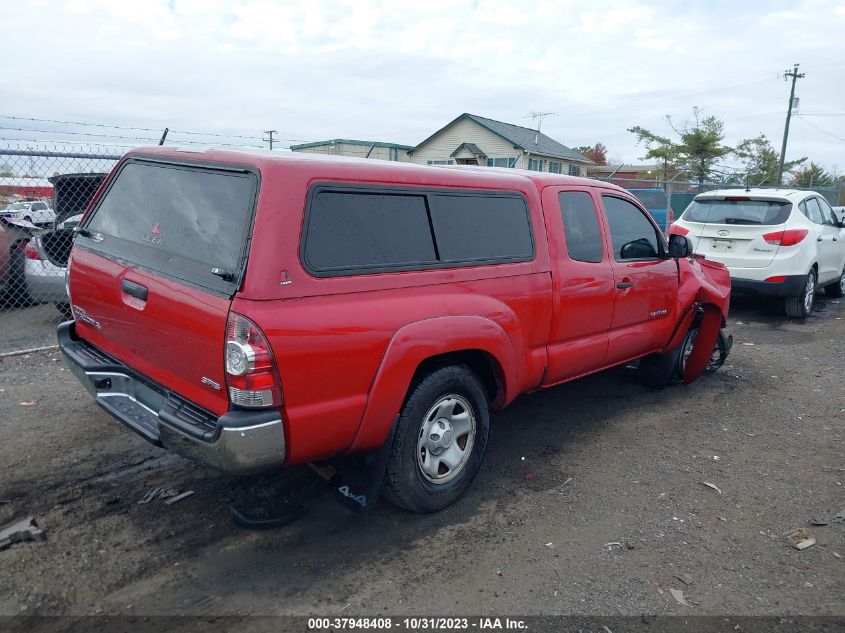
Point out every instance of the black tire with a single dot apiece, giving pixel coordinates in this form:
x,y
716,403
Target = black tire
x,y
406,484
27,219
801,307
836,290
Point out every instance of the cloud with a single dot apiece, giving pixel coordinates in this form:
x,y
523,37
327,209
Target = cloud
x,y
385,70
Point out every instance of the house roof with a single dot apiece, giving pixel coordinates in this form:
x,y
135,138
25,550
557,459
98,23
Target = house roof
x,y
522,138
472,148
346,141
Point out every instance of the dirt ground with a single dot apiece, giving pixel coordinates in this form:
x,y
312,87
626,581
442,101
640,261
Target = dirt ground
x,y
590,501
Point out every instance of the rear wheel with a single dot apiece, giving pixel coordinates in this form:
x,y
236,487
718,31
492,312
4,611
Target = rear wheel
x,y
836,290
440,440
801,307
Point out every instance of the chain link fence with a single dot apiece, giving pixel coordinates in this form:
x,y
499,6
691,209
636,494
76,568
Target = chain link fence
x,y
43,193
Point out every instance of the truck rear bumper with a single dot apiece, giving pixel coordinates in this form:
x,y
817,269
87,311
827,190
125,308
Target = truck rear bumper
x,y
237,442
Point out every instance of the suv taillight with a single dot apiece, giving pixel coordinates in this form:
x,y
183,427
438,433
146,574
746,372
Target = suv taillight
x,y
30,251
674,229
789,237
251,374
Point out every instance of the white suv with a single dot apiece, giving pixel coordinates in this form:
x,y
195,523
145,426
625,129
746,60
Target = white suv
x,y
776,242
35,212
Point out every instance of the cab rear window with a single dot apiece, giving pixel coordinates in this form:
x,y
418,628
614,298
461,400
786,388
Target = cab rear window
x,y
742,211
184,221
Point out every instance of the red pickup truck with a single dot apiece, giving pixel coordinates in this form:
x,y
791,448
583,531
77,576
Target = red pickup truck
x,y
257,310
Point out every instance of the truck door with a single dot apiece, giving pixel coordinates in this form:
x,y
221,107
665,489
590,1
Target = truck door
x,y
583,283
646,281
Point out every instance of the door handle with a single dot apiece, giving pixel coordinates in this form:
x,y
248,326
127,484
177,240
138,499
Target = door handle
x,y
134,290
819,238
625,284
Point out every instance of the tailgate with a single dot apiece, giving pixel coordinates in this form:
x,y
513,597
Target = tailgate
x,y
154,268
733,245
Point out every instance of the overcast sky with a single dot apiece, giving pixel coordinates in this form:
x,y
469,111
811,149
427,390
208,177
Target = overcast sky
x,y
397,71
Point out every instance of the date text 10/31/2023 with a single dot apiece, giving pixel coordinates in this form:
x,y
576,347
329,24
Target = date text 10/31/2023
x,y
417,624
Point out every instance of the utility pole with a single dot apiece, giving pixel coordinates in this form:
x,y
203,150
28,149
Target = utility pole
x,y
270,133
795,76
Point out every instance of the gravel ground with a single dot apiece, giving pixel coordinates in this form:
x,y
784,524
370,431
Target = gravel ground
x,y
590,501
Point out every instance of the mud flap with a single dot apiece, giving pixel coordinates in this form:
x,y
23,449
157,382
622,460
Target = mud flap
x,y
705,341
362,480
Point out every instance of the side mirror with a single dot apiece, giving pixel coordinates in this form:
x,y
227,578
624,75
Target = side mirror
x,y
679,246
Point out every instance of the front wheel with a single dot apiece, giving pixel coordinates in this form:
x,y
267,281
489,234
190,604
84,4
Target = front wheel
x,y
440,440
801,307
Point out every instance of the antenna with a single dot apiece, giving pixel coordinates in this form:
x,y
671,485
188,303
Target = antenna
x,y
538,118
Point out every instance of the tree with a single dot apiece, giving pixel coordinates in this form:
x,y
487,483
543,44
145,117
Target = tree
x,y
597,153
697,149
760,161
812,175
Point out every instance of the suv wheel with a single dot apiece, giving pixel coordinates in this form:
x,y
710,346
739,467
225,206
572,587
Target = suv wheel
x,y
836,290
801,307
440,440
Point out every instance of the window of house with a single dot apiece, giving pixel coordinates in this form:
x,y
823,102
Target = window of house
x,y
630,230
574,170
581,226
535,164
440,162
501,162
555,168
393,153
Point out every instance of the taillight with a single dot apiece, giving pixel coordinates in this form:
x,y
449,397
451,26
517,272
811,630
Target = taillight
x,y
674,229
30,251
251,373
789,237
671,215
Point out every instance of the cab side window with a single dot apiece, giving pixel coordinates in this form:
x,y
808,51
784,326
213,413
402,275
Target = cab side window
x,y
632,234
581,226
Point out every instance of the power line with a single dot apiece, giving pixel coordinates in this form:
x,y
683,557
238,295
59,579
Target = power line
x,y
119,137
821,129
125,127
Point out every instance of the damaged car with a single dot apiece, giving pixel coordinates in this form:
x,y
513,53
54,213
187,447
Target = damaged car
x,y
254,311
45,255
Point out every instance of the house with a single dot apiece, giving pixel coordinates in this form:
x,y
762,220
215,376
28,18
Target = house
x,y
476,140
358,149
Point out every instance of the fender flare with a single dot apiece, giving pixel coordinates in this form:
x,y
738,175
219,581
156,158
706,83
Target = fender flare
x,y
416,342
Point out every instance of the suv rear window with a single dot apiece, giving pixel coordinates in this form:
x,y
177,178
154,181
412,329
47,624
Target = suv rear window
x,y
738,211
179,220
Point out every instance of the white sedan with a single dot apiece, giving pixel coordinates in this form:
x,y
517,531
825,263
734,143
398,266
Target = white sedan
x,y
776,242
